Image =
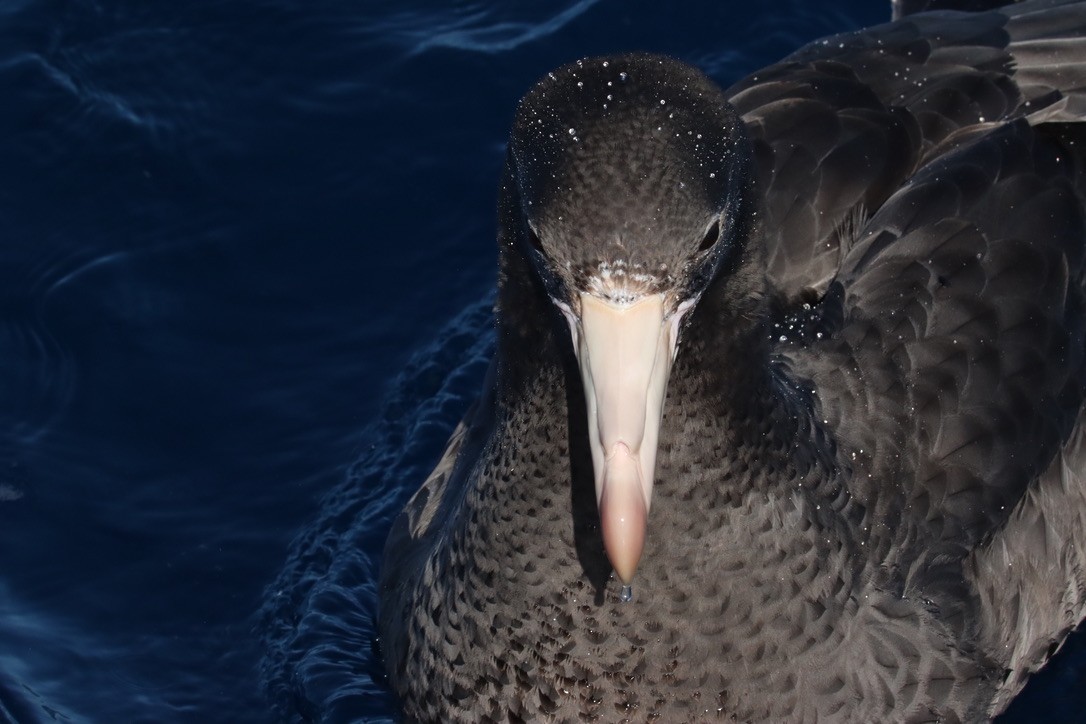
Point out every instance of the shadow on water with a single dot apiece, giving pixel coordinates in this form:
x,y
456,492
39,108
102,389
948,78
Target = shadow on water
x,y
319,619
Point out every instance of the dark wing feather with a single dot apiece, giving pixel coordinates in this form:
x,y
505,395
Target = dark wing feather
x,y
825,147
954,369
966,293
956,380
418,528
838,126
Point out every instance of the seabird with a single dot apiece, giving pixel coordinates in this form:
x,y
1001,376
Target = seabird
x,y
797,366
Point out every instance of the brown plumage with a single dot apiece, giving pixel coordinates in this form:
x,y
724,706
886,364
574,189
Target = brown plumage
x,y
870,501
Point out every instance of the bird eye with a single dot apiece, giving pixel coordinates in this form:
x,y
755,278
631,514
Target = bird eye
x,y
711,237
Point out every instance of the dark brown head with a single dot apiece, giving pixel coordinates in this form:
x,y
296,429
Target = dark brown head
x,y
628,188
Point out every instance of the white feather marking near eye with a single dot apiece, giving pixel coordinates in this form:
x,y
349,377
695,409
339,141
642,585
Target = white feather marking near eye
x,y
620,283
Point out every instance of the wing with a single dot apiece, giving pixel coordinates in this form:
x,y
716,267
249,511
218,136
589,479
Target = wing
x,y
417,529
838,126
919,181
962,329
962,348
948,350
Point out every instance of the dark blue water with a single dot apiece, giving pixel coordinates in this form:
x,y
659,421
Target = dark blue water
x,y
246,262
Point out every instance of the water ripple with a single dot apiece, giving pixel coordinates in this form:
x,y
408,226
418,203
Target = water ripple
x,y
319,619
24,695
498,36
480,28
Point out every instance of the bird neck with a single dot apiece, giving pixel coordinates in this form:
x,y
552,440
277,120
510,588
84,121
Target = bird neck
x,y
528,326
768,417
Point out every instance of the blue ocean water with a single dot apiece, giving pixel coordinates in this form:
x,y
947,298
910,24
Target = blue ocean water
x,y
246,264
